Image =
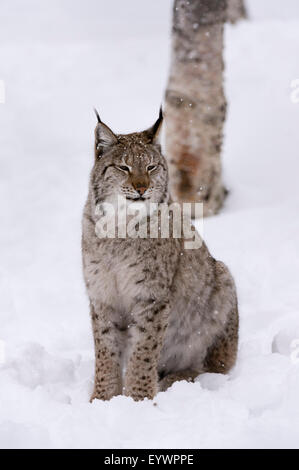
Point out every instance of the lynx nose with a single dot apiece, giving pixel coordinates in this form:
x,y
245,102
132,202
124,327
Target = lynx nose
x,y
141,190
140,186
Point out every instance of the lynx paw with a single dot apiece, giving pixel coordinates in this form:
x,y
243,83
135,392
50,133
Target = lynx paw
x,y
105,393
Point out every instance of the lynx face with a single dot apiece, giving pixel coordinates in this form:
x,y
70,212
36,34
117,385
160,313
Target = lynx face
x,y
131,166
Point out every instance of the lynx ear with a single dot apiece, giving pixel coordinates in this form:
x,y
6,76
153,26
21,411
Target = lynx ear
x,y
154,132
104,137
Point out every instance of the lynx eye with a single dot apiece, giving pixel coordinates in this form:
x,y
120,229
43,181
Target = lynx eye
x,y
151,167
123,168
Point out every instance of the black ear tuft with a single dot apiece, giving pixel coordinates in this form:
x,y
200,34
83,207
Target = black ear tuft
x,y
156,126
97,115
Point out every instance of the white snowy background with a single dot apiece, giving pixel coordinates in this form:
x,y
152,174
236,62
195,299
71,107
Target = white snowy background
x,y
58,59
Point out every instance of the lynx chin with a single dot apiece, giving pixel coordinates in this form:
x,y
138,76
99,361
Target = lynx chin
x,y
160,312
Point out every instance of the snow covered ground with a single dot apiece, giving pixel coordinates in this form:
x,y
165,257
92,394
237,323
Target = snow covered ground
x,y
58,59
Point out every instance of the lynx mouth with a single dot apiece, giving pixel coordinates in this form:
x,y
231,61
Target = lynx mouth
x,y
139,198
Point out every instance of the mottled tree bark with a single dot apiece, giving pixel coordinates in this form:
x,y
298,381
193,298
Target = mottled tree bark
x,y
236,10
195,104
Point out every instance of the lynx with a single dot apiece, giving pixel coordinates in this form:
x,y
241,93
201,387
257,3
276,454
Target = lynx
x,y
160,312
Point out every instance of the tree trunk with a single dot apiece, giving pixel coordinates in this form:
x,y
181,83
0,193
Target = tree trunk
x,y
195,105
236,10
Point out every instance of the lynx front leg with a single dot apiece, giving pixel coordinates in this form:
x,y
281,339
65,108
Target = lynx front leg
x,y
107,382
141,380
